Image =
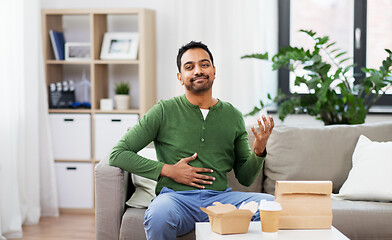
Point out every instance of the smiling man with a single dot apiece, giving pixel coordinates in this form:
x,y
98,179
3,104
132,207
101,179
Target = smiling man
x,y
198,139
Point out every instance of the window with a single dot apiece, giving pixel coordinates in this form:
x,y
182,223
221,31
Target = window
x,y
361,28
379,32
340,25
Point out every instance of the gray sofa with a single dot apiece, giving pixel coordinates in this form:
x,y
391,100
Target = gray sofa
x,y
294,153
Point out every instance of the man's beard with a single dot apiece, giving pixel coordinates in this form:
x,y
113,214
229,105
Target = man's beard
x,y
199,88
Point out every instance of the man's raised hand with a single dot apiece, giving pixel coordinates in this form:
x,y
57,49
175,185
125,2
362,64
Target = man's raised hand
x,y
182,172
261,137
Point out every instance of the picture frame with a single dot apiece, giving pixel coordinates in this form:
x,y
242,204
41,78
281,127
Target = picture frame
x,y
77,51
120,46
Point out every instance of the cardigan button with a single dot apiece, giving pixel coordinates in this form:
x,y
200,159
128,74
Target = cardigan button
x,y
202,139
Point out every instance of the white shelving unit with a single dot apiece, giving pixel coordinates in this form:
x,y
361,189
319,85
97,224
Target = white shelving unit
x,y
74,130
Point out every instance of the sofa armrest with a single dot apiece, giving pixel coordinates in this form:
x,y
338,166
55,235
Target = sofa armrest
x,y
110,196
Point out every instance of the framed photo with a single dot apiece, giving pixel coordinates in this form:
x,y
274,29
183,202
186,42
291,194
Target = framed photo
x,y
120,46
76,51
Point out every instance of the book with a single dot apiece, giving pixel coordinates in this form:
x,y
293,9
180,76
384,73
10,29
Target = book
x,y
58,42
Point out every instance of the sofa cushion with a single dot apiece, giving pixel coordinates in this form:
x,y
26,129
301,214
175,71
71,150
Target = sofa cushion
x,y
316,153
370,179
144,187
360,220
132,226
236,186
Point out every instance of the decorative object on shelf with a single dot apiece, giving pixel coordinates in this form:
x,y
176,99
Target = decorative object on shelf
x,y
120,46
334,97
61,94
85,105
54,94
77,51
106,104
82,89
58,41
122,96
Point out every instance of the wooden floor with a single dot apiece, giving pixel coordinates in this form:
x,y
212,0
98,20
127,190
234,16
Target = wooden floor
x,y
67,226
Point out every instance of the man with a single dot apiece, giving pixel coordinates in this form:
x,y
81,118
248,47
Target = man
x,y
198,139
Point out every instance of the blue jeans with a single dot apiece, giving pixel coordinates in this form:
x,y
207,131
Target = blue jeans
x,y
173,213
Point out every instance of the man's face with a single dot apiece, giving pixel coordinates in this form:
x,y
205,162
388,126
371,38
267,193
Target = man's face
x,y
197,71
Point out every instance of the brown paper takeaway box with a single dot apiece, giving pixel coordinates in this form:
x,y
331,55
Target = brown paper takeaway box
x,y
227,219
305,204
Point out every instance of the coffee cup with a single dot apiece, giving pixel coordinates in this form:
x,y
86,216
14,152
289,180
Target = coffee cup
x,y
269,215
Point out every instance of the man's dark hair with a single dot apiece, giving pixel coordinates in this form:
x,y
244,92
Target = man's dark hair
x,y
192,45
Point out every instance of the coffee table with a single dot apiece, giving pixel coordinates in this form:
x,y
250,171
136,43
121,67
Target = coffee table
x,y
203,232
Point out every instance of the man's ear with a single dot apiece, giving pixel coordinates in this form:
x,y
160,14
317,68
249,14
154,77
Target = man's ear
x,y
179,77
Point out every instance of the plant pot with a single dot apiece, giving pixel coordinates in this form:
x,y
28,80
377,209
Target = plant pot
x,y
122,101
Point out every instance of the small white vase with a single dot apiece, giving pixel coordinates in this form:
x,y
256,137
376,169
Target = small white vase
x,y
122,101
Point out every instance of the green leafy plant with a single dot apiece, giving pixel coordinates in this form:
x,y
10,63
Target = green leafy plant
x,y
122,88
334,97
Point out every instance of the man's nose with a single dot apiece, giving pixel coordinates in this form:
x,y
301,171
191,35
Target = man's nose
x,y
198,70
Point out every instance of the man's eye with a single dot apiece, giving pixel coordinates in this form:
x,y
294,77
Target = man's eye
x,y
189,67
205,65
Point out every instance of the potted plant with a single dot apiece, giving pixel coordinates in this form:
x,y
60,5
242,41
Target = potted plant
x,y
122,95
334,97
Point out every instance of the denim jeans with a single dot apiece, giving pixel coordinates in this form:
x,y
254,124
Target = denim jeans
x,y
173,213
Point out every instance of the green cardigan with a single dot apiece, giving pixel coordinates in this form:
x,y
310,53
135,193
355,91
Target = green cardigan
x,y
179,130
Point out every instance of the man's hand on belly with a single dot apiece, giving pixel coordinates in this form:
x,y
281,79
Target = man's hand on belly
x,y
182,172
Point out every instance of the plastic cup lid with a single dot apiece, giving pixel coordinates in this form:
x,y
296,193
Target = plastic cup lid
x,y
270,206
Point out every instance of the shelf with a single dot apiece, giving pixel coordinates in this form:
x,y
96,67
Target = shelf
x,y
94,11
90,25
69,110
73,160
136,111
116,61
60,62
68,62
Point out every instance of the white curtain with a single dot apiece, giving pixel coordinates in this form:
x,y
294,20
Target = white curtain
x,y
27,183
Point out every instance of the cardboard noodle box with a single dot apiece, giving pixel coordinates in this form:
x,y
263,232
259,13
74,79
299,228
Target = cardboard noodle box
x,y
305,204
227,219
